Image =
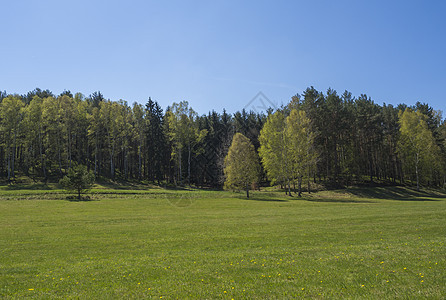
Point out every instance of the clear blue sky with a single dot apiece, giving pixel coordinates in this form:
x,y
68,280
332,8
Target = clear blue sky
x,y
220,54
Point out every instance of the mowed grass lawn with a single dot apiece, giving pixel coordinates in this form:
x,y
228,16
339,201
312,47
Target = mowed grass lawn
x,y
376,243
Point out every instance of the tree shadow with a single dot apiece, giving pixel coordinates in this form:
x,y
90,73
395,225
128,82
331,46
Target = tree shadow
x,y
32,187
256,198
328,200
82,199
397,193
177,188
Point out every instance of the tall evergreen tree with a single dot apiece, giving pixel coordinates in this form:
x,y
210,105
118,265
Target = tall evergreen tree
x,y
156,141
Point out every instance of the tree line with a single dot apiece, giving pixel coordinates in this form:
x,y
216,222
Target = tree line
x,y
318,136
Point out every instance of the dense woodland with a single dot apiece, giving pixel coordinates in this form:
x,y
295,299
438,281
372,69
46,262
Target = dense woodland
x,y
353,140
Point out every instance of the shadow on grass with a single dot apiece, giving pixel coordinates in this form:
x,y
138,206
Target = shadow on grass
x,y
262,199
31,187
177,188
339,200
115,185
82,199
397,193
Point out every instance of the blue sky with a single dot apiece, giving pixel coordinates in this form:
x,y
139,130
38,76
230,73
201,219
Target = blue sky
x,y
220,54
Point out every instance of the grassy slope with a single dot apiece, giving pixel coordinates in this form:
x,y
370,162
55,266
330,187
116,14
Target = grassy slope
x,y
203,244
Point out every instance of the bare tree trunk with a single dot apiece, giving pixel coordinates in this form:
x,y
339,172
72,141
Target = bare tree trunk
x,y
179,166
125,162
139,160
13,157
96,157
188,165
42,159
416,171
69,149
59,154
300,185
309,176
112,169
9,163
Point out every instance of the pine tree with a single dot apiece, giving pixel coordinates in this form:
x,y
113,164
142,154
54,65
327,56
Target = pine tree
x,y
78,179
156,141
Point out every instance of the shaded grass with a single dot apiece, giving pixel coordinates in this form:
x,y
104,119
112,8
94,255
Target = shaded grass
x,y
397,193
207,244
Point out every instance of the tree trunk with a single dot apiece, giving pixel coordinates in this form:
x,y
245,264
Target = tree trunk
x,y
126,168
96,156
416,171
300,186
112,170
9,163
247,190
188,165
42,160
59,156
309,176
13,157
179,163
139,161
69,149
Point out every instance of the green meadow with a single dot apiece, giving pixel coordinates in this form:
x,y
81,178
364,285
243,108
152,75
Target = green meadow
x,y
132,242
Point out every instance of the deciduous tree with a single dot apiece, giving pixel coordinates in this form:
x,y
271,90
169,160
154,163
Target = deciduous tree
x,y
11,115
242,167
417,144
300,145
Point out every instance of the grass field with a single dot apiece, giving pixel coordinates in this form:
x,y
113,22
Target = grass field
x,y
137,243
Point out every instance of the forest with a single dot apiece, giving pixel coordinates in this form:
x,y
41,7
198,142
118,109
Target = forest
x,y
342,140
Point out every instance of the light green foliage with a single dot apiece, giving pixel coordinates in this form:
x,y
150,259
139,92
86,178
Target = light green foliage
x,y
78,179
300,144
33,124
11,112
140,125
273,149
286,147
420,153
241,164
11,116
183,133
54,138
300,141
111,120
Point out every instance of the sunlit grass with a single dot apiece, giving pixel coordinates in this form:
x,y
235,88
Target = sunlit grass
x,y
205,244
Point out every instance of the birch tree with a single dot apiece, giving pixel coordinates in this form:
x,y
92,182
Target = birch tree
x,y
242,167
417,144
274,150
300,145
11,113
